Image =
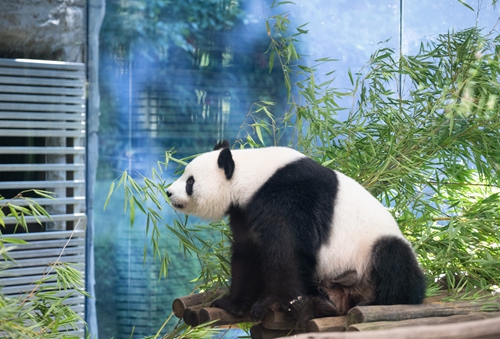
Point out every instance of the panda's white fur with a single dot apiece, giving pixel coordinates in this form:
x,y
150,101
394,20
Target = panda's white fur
x,y
357,212
214,193
358,254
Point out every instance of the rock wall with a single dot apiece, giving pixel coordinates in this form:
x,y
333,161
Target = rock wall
x,y
43,29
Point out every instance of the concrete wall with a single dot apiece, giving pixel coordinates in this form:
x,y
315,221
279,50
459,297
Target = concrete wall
x,y
43,29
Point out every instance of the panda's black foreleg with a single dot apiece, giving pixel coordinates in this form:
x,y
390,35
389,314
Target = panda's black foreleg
x,y
246,282
284,277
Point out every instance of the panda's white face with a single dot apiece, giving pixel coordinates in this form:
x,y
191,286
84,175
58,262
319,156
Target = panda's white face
x,y
203,190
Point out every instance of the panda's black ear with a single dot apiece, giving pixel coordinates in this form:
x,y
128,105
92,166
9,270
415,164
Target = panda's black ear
x,y
221,144
226,162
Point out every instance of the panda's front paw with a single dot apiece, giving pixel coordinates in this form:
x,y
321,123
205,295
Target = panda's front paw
x,y
263,305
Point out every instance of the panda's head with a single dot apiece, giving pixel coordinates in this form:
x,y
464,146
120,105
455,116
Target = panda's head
x,y
204,190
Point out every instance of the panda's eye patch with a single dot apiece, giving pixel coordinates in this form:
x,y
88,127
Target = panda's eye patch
x,y
189,185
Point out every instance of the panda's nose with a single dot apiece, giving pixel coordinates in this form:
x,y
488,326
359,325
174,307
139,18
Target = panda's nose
x,y
169,194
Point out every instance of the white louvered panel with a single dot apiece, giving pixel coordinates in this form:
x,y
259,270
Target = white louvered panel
x,y
42,146
42,106
34,261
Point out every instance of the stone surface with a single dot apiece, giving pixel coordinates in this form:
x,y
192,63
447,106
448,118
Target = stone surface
x,y
43,29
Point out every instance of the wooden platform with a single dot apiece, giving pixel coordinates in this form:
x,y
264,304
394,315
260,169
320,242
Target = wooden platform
x,y
433,319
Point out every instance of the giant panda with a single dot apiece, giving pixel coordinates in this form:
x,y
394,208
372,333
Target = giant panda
x,y
307,240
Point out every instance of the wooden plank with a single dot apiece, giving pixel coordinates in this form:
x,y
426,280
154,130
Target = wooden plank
x,y
42,133
78,116
78,125
480,329
365,314
25,89
40,167
6,106
37,98
385,325
57,83
41,150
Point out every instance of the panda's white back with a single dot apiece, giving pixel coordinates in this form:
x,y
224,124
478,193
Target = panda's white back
x,y
359,219
253,167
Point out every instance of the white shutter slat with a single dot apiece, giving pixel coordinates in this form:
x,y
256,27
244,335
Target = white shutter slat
x,y
42,116
43,125
59,217
32,97
26,89
23,106
43,82
41,167
42,133
41,150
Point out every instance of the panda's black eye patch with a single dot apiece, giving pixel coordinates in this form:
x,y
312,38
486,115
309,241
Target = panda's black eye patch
x,y
189,185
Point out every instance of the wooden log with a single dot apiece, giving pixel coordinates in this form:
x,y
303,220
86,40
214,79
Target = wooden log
x,y
328,324
480,329
365,314
204,298
191,315
222,317
260,332
385,325
278,321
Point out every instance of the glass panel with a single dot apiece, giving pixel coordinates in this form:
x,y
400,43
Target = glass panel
x,y
181,75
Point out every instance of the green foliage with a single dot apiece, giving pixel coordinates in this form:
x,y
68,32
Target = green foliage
x,y
43,312
422,135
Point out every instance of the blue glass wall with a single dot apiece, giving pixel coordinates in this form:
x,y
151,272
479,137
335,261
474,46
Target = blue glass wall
x,y
186,74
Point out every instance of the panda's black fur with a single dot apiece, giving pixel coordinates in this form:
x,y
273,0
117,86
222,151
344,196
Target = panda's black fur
x,y
280,234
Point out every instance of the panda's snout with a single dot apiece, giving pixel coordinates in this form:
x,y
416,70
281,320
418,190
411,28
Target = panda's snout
x,y
169,194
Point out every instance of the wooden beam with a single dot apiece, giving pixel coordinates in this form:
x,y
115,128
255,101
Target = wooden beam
x,y
480,329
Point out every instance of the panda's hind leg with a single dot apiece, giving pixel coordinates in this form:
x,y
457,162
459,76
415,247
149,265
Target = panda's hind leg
x,y
395,275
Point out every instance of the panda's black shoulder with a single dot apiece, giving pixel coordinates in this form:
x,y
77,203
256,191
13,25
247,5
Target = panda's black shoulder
x,y
298,199
306,171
